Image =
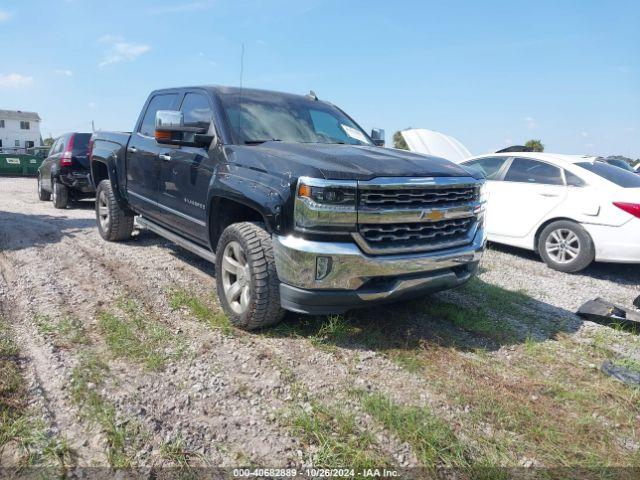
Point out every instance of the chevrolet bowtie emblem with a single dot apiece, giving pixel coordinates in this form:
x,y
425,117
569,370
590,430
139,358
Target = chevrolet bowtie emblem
x,y
432,215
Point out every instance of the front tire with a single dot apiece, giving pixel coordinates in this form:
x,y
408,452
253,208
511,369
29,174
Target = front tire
x,y
60,195
114,223
246,278
566,246
43,195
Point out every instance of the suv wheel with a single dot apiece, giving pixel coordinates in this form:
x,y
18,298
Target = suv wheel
x,y
246,278
43,195
60,195
566,246
114,223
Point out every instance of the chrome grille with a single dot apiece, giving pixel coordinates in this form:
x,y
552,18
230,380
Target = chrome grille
x,y
426,197
393,237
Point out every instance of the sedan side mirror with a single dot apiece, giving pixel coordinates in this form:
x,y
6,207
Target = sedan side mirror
x,y
170,129
377,135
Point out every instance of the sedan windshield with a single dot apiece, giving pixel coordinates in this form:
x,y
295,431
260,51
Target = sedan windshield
x,y
256,117
620,177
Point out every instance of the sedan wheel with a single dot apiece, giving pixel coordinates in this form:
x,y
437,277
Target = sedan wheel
x,y
236,277
563,245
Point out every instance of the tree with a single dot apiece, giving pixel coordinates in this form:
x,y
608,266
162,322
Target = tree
x,y
48,141
398,141
535,145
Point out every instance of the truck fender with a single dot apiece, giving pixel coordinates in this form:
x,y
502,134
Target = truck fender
x,y
262,193
103,163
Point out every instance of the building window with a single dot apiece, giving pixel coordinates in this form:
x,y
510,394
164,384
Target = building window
x,y
0,143
24,125
17,143
1,123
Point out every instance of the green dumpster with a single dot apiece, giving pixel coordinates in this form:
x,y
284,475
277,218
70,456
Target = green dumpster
x,y
19,164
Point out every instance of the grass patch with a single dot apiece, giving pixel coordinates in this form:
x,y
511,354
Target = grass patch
x,y
65,333
339,441
202,311
175,452
433,441
123,437
139,337
18,427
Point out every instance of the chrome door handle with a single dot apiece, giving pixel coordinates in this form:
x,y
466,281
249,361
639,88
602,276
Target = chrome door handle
x,y
165,157
132,149
549,195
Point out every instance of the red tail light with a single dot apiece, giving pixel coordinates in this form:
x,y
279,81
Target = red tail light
x,y
67,155
632,208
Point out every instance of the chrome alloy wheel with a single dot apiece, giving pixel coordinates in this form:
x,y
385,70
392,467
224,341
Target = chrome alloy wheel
x,y
562,245
236,277
103,211
54,192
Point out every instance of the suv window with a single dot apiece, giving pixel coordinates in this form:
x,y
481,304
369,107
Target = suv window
x,y
81,143
489,166
533,171
164,101
196,110
617,175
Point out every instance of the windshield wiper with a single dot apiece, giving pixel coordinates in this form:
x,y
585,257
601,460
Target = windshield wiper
x,y
258,142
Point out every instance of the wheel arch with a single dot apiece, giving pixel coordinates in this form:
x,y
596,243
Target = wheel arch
x,y
224,211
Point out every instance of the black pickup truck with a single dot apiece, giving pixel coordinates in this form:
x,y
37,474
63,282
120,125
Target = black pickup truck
x,y
296,205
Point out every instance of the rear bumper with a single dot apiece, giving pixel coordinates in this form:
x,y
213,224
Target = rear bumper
x,y
616,244
79,181
355,279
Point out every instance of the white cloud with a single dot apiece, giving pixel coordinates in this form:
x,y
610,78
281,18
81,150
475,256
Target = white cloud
x,y
63,72
15,80
530,122
91,105
584,134
121,51
4,15
182,7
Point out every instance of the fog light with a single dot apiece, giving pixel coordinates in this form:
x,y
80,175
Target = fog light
x,y
323,267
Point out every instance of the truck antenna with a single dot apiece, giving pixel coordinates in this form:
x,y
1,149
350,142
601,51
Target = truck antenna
x,y
241,64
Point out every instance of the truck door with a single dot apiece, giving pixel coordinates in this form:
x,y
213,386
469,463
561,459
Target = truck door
x,y
186,173
143,157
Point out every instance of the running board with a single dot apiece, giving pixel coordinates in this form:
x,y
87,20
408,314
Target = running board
x,y
177,239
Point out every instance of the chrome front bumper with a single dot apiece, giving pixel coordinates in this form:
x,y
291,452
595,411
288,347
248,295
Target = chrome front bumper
x,y
356,279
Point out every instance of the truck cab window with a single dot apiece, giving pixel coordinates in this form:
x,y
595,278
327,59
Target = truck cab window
x,y
158,102
196,110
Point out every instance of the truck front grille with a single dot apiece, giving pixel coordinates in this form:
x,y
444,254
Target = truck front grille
x,y
394,237
418,197
412,215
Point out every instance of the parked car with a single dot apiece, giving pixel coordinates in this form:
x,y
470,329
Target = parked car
x,y
64,175
571,210
302,208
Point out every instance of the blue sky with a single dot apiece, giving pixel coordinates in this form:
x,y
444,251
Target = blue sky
x,y
489,73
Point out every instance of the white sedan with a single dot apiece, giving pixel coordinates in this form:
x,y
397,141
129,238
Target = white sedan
x,y
570,209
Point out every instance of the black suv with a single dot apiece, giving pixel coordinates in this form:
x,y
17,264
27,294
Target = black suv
x,y
64,175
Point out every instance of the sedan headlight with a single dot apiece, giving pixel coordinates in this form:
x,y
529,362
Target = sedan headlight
x,y
325,206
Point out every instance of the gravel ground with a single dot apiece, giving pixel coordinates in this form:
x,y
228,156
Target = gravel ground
x,y
223,397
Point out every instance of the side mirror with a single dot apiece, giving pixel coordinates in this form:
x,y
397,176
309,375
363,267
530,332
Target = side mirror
x,y
170,129
377,135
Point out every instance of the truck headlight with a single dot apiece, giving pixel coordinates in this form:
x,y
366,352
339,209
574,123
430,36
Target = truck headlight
x,y
325,206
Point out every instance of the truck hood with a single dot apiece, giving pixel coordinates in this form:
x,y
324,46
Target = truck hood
x,y
346,162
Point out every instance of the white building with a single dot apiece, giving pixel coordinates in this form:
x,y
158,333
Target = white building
x,y
19,130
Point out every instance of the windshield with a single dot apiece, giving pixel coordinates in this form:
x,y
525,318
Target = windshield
x,y
257,117
620,177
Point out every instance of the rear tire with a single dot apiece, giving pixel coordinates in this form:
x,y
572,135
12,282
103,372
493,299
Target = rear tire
x,y
60,195
114,223
566,246
43,195
246,279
